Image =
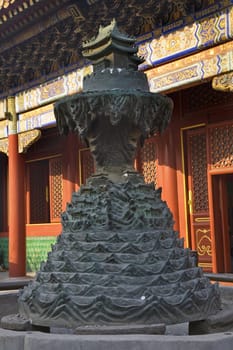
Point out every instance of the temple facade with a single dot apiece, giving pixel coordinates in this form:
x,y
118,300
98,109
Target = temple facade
x,y
187,52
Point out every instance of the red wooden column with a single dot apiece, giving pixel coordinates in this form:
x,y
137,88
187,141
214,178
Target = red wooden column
x,y
69,168
16,206
167,160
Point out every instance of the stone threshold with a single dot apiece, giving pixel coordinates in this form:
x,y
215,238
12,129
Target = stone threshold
x,y
220,277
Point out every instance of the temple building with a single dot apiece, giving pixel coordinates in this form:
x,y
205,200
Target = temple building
x,y
187,51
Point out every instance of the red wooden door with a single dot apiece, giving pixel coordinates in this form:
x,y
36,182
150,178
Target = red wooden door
x,y
3,192
86,165
197,196
220,139
38,192
221,221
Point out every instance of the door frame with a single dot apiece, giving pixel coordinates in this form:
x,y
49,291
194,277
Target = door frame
x,y
184,161
197,221
219,220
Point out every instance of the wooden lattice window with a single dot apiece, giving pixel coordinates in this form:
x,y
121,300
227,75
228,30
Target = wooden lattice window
x,y
87,167
55,176
38,192
146,158
203,96
44,191
197,146
221,146
148,162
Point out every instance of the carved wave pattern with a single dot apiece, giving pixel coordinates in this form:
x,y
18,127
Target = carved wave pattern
x,y
120,274
151,114
102,205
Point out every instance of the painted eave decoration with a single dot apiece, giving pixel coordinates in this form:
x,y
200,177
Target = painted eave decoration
x,y
41,40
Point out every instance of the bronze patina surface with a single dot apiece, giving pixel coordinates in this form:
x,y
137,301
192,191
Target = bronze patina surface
x,y
118,260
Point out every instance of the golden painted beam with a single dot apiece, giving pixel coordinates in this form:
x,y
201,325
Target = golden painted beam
x,y
26,139
223,82
188,71
4,144
11,115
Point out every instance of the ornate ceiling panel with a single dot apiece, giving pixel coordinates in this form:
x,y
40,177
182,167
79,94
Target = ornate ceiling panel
x,y
40,39
5,3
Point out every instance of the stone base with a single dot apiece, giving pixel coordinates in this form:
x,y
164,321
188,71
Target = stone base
x,y
18,323
130,329
221,322
15,323
9,300
10,340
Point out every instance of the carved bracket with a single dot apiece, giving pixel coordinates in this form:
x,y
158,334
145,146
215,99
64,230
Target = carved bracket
x,y
223,82
26,139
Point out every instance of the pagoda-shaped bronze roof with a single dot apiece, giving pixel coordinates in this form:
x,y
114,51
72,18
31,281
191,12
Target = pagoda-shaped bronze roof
x,y
112,46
